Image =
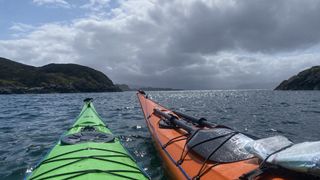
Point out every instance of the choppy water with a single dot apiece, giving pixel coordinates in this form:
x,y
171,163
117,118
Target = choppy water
x,y
31,124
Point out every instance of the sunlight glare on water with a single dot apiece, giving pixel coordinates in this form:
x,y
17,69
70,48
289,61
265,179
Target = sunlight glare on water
x,y
32,124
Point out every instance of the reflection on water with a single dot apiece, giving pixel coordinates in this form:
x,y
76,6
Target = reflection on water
x,y
31,124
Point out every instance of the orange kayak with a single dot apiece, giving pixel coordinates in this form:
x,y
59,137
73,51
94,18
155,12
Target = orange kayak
x,y
211,158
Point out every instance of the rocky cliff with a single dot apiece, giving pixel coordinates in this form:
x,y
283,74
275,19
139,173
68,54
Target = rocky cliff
x,y
306,80
52,78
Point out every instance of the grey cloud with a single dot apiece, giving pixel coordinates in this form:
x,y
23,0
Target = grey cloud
x,y
189,44
265,26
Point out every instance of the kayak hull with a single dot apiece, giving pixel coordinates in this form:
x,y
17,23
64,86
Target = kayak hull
x,y
87,158
172,171
171,152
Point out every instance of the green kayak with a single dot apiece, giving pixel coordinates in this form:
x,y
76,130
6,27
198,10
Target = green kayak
x,y
88,150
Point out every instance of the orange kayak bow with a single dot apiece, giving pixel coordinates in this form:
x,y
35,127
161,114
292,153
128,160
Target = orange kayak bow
x,y
196,149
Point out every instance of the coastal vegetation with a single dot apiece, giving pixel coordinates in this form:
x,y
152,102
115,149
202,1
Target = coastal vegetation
x,y
308,79
52,78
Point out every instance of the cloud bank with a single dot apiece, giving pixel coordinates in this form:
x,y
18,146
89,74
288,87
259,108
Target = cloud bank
x,y
190,44
52,3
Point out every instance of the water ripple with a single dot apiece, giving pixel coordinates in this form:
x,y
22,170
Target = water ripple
x,y
31,124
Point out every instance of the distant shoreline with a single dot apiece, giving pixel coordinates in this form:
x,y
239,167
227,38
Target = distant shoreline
x,y
18,78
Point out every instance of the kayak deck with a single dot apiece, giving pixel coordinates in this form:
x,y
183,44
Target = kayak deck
x,y
182,163
89,159
172,152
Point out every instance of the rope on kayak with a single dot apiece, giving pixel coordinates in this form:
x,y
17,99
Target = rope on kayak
x,y
263,167
81,159
46,172
84,149
203,170
54,159
115,174
175,139
84,172
183,155
72,158
263,163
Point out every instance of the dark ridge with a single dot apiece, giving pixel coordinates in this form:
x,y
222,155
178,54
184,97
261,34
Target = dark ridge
x,y
52,78
308,79
124,87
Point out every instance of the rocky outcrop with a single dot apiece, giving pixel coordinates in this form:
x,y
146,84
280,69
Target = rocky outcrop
x,y
52,78
306,80
124,87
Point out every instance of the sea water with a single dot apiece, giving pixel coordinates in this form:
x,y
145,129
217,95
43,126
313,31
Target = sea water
x,y
31,124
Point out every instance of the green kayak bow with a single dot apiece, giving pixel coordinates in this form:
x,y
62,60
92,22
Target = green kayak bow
x,y
88,151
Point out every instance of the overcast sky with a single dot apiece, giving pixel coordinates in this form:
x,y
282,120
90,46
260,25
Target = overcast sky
x,y
189,44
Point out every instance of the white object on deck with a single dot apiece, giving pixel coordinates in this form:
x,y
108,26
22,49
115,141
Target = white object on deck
x,y
262,148
303,157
